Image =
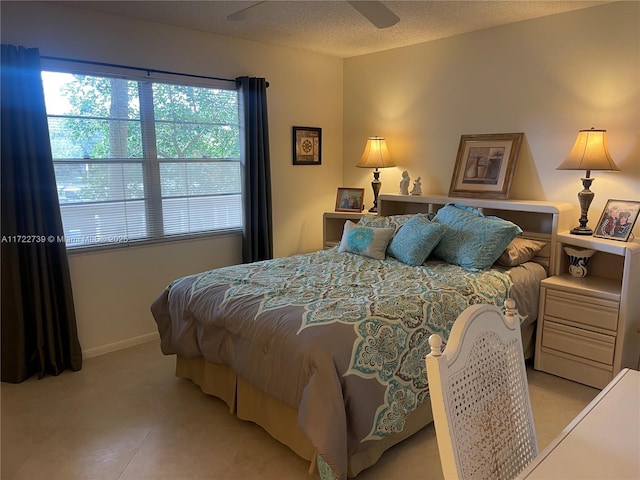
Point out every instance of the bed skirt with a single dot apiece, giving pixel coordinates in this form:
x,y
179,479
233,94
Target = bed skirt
x,y
280,420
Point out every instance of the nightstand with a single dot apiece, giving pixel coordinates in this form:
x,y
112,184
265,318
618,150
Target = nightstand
x,y
333,226
588,327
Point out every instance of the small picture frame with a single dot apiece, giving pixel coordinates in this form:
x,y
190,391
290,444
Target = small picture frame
x,y
485,165
617,220
350,199
307,146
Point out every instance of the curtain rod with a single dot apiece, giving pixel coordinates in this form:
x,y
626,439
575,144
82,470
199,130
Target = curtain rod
x,y
140,69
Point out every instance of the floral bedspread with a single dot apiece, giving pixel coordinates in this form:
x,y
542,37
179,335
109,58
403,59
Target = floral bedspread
x,y
338,336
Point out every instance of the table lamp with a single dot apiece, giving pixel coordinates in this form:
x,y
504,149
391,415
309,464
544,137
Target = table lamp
x,y
375,155
590,152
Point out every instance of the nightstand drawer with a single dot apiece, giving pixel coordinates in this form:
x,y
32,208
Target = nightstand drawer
x,y
574,368
581,343
595,312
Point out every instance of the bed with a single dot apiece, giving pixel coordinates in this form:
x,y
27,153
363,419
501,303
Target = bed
x,y
326,350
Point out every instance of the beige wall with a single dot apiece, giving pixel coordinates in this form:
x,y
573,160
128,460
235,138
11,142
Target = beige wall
x,y
548,78
113,290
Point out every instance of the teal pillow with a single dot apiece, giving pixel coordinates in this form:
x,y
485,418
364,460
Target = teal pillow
x,y
415,240
472,240
366,241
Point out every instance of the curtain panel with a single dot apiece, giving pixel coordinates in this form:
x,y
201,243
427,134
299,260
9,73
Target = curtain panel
x,y
257,241
39,333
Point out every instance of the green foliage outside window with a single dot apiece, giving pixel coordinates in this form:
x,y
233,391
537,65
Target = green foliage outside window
x,y
110,137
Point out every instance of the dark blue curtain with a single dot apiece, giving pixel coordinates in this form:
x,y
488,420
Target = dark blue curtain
x,y
257,241
39,334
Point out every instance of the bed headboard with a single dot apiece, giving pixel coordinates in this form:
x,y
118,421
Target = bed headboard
x,y
539,220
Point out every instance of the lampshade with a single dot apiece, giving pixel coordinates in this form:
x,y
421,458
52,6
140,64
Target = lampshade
x,y
590,152
376,154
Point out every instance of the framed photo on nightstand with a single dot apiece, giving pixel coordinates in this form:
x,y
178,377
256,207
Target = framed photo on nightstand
x,y
617,220
350,200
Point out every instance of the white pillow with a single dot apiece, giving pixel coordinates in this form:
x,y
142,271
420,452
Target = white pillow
x,y
366,241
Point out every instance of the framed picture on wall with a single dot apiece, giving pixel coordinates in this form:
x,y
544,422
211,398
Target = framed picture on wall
x,y
350,199
307,146
617,220
485,165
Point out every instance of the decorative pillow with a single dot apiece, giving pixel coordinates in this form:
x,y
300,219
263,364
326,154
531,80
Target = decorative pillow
x,y
415,240
391,221
472,240
520,250
367,241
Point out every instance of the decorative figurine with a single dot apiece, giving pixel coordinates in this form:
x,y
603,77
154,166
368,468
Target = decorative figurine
x,y
417,187
404,183
578,260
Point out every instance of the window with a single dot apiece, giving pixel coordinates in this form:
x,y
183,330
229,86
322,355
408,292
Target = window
x,y
138,159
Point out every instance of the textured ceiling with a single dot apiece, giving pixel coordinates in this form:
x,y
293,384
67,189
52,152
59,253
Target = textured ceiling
x,y
334,27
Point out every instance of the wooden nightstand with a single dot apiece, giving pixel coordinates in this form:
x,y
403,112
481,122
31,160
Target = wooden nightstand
x,y
333,225
588,327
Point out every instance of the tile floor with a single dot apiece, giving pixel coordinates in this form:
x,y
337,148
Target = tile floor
x,y
126,416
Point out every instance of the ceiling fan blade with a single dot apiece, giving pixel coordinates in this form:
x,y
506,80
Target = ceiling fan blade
x,y
244,13
376,12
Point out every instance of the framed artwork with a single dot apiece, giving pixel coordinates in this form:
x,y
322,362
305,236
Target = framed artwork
x,y
307,146
485,165
617,220
350,200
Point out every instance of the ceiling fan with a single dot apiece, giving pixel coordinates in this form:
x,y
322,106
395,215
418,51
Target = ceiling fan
x,y
374,11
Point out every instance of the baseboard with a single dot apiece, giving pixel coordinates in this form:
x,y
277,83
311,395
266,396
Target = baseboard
x,y
112,347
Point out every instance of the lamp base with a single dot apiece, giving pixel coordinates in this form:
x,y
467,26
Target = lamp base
x,y
375,185
584,198
582,231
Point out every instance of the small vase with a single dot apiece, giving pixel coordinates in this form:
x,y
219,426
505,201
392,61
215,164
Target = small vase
x,y
578,259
